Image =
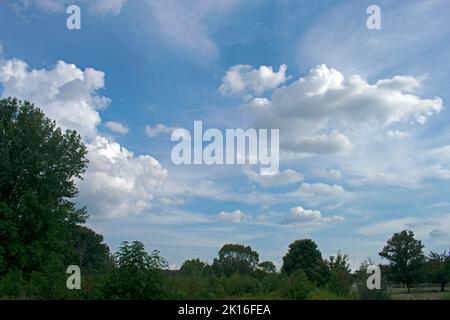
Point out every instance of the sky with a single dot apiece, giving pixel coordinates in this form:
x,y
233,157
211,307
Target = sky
x,y
362,115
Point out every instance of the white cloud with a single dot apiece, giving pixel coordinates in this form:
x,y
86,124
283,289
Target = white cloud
x,y
104,7
321,189
385,227
396,135
117,182
117,127
326,113
298,215
187,25
328,173
281,178
242,79
65,93
236,216
433,228
157,130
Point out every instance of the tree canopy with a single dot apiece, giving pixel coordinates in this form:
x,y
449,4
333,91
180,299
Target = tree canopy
x,y
405,256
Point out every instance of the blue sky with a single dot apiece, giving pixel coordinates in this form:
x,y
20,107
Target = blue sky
x,y
362,114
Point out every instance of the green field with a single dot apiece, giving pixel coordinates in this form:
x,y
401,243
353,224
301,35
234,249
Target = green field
x,y
423,293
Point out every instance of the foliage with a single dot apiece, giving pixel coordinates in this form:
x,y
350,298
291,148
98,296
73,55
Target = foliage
x,y
235,258
267,266
297,286
364,293
37,173
137,274
438,268
340,277
304,255
405,256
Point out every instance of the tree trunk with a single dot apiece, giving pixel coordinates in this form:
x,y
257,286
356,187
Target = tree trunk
x,y
408,286
443,287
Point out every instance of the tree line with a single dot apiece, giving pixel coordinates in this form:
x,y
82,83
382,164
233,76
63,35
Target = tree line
x,y
42,232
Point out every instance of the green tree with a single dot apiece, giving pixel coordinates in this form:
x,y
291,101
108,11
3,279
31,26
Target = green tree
x,y
340,274
405,256
236,258
38,167
193,267
137,274
89,250
297,286
304,255
438,268
267,266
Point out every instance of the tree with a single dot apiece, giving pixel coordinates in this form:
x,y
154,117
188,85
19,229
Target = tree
x,y
89,250
340,276
304,255
297,286
236,258
405,256
193,267
137,274
38,167
267,266
438,268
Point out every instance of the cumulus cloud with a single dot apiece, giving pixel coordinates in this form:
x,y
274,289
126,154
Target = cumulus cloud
x,y
65,93
117,182
244,79
299,215
315,112
236,216
117,127
157,130
281,178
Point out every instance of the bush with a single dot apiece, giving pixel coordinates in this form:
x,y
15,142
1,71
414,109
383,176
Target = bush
x,y
297,286
12,285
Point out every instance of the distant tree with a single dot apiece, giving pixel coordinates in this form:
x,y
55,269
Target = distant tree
x,y
89,250
267,266
236,258
438,268
38,168
193,267
340,274
137,274
304,255
405,256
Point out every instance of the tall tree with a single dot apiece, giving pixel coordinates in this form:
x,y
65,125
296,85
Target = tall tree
x,y
305,255
38,167
236,258
405,256
137,274
340,274
438,268
89,250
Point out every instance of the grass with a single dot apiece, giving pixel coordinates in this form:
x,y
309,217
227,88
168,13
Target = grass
x,y
423,293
